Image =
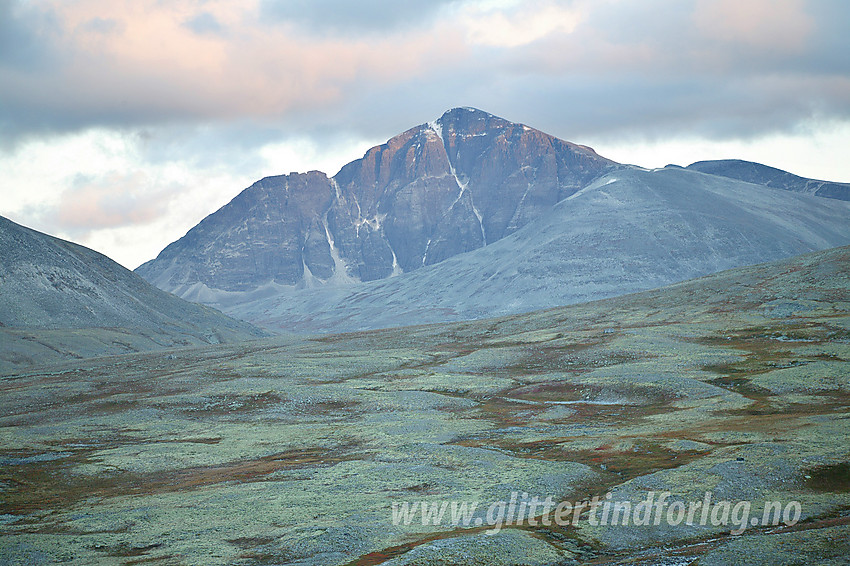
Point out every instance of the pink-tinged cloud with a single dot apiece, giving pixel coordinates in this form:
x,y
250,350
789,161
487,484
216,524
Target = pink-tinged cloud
x,y
115,200
779,25
147,62
216,63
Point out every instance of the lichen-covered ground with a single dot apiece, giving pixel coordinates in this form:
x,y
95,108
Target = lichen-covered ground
x,y
293,451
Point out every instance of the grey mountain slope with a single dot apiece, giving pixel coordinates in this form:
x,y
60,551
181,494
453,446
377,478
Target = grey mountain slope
x,y
630,230
772,177
60,300
437,190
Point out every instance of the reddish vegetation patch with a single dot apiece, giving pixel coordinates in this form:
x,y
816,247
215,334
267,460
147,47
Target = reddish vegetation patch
x,y
768,348
250,542
645,458
242,471
383,555
565,391
125,550
503,411
517,407
229,404
50,485
236,405
563,357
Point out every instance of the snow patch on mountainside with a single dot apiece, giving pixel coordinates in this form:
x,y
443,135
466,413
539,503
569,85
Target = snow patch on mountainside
x,y
437,128
340,276
601,182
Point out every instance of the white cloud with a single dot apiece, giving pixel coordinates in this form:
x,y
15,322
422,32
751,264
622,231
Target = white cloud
x,y
97,187
306,154
33,170
816,149
514,24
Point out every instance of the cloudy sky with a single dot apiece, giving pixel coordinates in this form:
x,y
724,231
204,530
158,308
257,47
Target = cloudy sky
x,y
124,122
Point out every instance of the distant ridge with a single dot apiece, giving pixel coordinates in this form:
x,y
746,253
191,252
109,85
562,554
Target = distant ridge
x,y
772,177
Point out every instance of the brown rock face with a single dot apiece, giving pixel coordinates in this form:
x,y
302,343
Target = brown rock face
x,y
430,193
514,172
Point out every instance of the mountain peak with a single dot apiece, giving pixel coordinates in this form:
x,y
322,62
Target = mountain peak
x,y
471,180
466,118
437,190
466,109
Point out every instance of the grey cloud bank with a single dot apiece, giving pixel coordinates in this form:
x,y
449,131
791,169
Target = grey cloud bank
x,y
667,67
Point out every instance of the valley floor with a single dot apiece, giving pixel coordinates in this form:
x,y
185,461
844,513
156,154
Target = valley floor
x,y
295,450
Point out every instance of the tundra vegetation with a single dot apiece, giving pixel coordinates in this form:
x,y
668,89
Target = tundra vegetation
x,y
293,450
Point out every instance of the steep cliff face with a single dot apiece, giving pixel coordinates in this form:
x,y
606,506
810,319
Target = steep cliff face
x,y
513,173
451,186
435,191
391,203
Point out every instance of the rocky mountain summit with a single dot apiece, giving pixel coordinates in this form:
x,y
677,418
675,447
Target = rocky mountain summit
x,y
60,300
435,191
471,216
